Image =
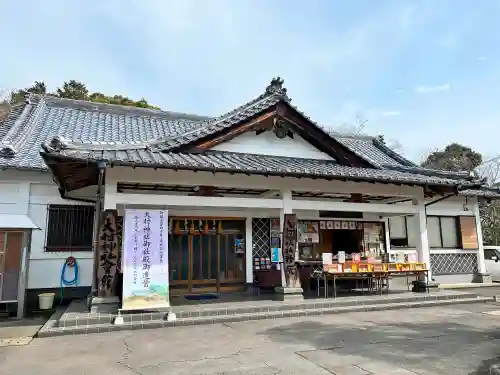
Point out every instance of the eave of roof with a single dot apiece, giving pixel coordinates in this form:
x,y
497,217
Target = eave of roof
x,y
248,164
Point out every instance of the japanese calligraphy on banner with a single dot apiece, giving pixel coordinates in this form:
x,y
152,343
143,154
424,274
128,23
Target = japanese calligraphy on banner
x,y
108,254
145,260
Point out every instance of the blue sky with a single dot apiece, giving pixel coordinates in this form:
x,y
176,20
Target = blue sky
x,y
423,72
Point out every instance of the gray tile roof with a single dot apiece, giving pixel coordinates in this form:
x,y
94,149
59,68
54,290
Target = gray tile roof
x,y
373,151
104,126
255,164
44,118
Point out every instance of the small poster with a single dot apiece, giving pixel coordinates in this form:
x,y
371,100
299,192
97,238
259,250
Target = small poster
x,y
345,225
308,232
412,258
239,246
352,225
327,258
341,256
337,225
356,257
329,224
399,257
322,224
276,255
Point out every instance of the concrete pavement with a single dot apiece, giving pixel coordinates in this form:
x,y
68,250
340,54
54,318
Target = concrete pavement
x,y
443,340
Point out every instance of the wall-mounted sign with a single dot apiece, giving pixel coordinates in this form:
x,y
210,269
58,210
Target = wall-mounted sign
x,y
108,254
289,247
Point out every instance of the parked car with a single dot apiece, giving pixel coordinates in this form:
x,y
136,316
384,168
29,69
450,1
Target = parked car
x,y
492,261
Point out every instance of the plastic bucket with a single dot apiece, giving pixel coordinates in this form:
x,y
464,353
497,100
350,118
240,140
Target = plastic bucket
x,y
46,300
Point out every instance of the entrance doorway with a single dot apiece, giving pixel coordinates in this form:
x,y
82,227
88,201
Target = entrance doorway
x,y
206,255
11,243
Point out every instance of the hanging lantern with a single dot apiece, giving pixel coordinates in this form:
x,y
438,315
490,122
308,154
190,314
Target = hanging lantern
x,y
170,226
219,227
191,229
205,227
213,225
200,226
177,227
185,225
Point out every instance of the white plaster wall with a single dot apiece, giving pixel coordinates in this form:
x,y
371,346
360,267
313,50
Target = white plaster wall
x,y
268,144
30,193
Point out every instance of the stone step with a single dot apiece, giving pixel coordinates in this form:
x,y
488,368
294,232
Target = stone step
x,y
249,316
239,308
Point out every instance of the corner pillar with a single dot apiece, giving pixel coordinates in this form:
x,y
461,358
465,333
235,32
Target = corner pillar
x,y
482,275
422,238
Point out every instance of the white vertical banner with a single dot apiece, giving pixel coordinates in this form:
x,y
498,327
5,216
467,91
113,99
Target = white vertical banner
x,y
145,260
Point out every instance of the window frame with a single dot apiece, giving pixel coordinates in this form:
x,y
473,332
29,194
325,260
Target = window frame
x,y
402,239
440,228
58,236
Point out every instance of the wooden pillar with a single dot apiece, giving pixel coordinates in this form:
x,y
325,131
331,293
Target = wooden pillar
x,y
292,278
107,253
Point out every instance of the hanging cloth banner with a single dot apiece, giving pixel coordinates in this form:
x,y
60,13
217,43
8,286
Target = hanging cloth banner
x,y
145,260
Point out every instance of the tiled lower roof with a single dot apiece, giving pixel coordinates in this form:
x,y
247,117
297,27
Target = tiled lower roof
x,y
487,193
368,149
252,164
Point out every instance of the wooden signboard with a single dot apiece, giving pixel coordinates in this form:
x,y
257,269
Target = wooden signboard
x,y
468,232
108,254
289,245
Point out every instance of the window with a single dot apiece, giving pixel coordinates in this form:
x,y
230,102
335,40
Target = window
x,y
489,254
442,232
69,228
398,231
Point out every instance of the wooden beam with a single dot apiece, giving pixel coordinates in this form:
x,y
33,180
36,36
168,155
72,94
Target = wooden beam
x,y
236,131
189,201
149,200
310,132
189,178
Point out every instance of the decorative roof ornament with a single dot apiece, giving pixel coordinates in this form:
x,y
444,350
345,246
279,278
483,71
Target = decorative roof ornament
x,y
7,150
276,87
59,143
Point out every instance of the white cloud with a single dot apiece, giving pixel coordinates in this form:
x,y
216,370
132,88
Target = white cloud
x,y
482,58
433,89
391,113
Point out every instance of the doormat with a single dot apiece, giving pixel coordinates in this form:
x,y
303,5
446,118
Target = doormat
x,y
201,297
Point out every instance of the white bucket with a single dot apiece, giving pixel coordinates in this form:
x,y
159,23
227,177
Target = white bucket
x,y
46,300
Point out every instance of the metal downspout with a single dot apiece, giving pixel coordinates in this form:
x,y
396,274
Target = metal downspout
x,y
101,165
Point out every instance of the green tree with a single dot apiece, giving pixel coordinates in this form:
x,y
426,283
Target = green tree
x,y
77,90
455,157
38,87
73,90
